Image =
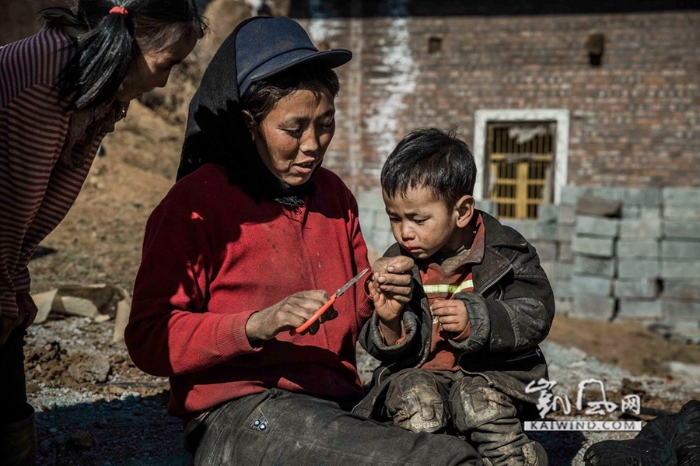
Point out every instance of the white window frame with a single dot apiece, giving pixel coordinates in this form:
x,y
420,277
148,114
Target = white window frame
x,y
561,155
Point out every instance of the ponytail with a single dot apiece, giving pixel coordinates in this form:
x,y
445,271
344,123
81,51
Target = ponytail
x,y
105,52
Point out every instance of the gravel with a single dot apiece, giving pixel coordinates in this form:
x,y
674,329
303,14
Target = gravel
x,y
122,420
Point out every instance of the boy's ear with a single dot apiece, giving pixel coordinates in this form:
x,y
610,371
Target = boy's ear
x,y
464,210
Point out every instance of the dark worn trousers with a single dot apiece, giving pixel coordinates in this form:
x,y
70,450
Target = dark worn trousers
x,y
13,390
277,427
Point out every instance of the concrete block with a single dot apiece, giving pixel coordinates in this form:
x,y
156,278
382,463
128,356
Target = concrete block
x,y
593,307
599,206
638,248
640,228
563,271
546,250
585,285
681,229
640,309
569,195
567,214
565,233
597,226
685,311
680,249
650,212
638,268
679,212
598,247
631,211
677,269
602,191
547,231
648,197
527,228
565,253
563,289
596,266
679,196
636,288
548,213
681,289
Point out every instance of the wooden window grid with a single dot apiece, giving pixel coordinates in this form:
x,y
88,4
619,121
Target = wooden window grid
x,y
520,176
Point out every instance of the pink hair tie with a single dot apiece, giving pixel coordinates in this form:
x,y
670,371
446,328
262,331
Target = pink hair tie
x,y
119,10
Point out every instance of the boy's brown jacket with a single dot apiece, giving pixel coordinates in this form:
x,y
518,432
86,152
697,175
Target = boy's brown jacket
x,y
510,310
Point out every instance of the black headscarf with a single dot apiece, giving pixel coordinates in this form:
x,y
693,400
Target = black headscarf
x,y
217,132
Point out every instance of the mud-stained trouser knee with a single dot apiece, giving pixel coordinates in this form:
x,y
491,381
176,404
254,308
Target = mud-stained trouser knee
x,y
416,401
489,419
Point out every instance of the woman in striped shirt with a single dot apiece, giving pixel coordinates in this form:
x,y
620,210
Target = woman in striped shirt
x,y
61,92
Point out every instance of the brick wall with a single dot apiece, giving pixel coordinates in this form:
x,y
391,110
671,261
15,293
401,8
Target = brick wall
x,y
635,120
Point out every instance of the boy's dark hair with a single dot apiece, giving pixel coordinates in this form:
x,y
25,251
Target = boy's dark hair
x,y
433,159
106,50
262,95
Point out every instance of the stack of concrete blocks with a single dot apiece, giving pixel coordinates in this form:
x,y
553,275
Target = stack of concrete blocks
x,y
623,254
680,259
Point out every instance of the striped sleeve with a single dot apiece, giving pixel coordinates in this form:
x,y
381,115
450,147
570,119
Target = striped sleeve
x,y
35,192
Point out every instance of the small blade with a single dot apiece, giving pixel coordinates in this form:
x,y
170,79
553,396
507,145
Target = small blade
x,y
351,282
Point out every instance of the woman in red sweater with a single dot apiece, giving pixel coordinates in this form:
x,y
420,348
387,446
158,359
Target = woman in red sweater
x,y
243,249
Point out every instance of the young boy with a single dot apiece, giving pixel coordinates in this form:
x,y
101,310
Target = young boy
x,y
458,356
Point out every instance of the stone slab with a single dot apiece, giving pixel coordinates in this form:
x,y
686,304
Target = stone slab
x,y
596,266
640,309
593,246
681,289
597,226
586,285
638,248
640,228
681,229
593,307
638,268
677,269
636,288
680,249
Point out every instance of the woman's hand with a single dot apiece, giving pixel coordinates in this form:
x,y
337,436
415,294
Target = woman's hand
x,y
27,313
391,287
289,314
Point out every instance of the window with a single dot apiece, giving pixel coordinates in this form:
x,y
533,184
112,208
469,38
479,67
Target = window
x,y
519,167
521,159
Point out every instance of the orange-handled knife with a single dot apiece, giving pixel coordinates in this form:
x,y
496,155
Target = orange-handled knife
x,y
328,304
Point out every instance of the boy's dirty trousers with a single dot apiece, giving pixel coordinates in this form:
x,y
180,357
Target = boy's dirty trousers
x,y
444,401
284,428
17,435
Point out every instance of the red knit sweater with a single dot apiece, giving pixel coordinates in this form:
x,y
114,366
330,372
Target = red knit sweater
x,y
212,257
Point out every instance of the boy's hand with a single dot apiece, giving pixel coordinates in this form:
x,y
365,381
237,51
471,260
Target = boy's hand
x,y
451,314
391,287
